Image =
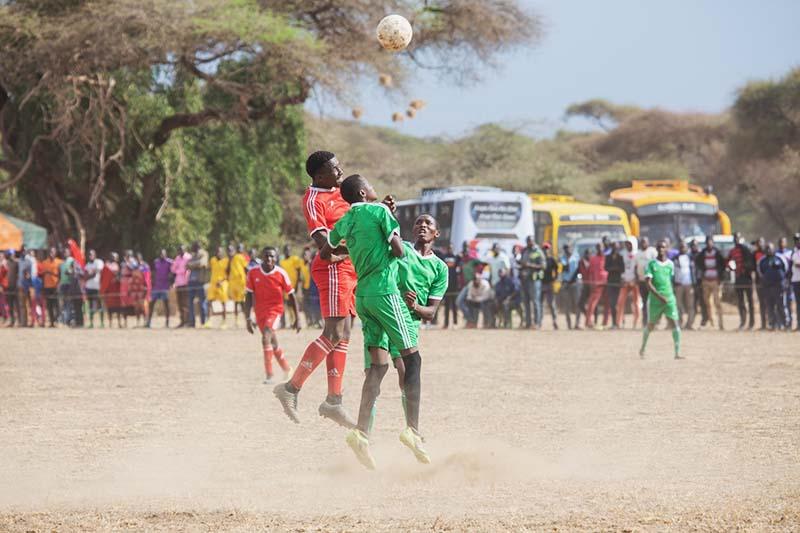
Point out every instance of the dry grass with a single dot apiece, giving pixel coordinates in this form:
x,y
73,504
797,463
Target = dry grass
x,y
155,430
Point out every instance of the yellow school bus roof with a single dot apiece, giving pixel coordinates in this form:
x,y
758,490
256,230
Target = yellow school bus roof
x,y
572,212
645,192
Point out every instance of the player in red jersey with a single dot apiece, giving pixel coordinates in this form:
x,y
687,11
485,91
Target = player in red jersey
x,y
323,206
265,289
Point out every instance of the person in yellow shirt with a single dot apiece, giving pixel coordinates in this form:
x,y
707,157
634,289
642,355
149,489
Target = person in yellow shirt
x,y
294,266
237,278
218,284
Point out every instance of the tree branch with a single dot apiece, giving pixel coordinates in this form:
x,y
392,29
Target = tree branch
x,y
182,120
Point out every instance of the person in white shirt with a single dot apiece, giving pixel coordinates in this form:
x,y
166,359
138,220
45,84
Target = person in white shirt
x,y
684,286
94,266
630,285
479,295
645,254
795,279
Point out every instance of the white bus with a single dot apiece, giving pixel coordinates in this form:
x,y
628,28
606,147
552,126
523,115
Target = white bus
x,y
478,216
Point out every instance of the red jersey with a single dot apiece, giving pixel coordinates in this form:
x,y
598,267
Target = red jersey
x,y
323,208
268,289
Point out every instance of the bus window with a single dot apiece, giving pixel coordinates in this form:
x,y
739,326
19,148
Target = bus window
x,y
697,225
541,221
657,227
405,217
590,232
444,216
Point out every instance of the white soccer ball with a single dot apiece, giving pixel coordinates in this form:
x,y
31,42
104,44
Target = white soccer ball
x,y
394,32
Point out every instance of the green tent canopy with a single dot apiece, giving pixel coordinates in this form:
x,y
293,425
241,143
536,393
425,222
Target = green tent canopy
x,y
33,236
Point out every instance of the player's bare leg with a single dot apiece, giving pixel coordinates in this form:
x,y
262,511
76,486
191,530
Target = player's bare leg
x,y
279,357
646,335
676,337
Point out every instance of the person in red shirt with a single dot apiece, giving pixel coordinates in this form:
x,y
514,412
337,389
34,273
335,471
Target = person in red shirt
x,y
264,291
323,206
598,276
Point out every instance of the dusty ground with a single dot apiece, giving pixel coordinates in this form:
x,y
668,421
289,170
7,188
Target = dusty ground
x,y
156,430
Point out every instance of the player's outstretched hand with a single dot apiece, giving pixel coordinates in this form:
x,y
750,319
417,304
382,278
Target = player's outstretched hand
x,y
389,202
296,325
249,326
411,298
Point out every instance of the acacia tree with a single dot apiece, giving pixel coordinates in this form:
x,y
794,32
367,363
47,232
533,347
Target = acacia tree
x,y
93,92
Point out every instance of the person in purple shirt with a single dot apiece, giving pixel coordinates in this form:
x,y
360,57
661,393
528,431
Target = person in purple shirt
x,y
161,275
181,282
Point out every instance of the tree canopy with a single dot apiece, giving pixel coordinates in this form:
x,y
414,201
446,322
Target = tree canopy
x,y
109,107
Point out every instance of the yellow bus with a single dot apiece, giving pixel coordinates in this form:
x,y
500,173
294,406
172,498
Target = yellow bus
x,y
674,209
561,220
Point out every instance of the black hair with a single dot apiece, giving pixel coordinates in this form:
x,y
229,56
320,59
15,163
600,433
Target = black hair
x,y
269,249
351,186
435,222
316,160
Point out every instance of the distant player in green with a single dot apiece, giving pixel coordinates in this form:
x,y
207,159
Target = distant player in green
x,y
422,279
659,275
372,236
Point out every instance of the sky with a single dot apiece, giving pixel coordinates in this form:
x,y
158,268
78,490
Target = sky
x,y
680,55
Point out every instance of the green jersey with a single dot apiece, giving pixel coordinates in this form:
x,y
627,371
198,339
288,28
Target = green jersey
x,y
366,230
662,274
426,275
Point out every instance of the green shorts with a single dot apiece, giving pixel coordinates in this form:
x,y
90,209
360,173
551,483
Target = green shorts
x,y
655,309
386,321
394,351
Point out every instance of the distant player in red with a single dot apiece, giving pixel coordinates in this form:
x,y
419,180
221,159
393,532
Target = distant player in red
x,y
323,206
265,289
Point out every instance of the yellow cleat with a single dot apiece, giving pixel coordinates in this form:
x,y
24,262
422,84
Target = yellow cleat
x,y
359,443
413,441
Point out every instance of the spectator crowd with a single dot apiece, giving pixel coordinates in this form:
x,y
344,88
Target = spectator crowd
x,y
599,287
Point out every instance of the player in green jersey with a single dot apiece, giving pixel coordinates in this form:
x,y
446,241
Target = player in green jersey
x,y
372,237
422,279
659,275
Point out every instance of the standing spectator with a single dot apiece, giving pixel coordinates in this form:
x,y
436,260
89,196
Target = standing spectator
x,y
24,286
92,272
109,289
12,286
66,274
710,266
254,260
181,271
759,252
50,270
219,267
684,282
453,263
531,265
293,265
479,295
129,288
508,298
3,289
615,266
38,306
645,254
162,279
784,252
569,284
497,260
742,257
773,273
699,301
147,276
794,260
549,277
598,277
586,285
198,277
629,286
237,278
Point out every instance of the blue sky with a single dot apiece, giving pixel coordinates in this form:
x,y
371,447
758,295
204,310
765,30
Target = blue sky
x,y
680,55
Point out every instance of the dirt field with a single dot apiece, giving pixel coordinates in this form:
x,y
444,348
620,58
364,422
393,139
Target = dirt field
x,y
157,430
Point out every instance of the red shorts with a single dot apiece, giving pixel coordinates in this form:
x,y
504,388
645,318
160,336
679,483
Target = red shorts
x,y
269,320
336,283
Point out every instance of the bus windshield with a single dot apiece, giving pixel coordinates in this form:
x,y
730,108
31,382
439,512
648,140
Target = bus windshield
x,y
590,232
673,227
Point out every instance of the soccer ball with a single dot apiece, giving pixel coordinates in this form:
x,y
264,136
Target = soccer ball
x,y
394,32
